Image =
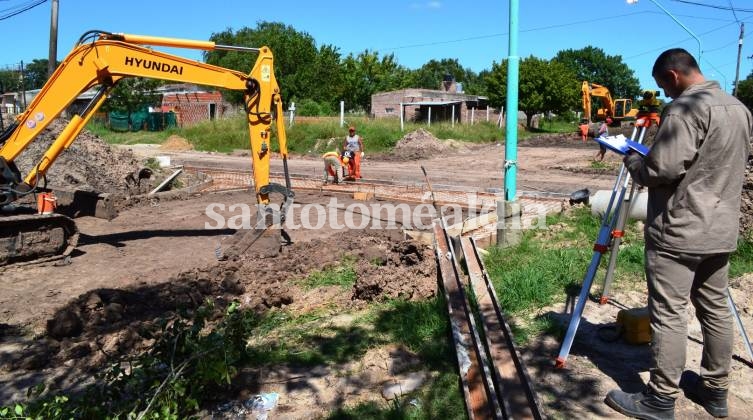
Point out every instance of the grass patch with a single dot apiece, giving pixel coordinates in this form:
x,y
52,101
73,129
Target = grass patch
x,y
342,275
307,339
741,261
541,271
98,128
599,164
556,126
228,134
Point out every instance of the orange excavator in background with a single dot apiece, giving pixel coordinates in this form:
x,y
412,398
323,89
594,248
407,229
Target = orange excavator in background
x,y
99,60
618,109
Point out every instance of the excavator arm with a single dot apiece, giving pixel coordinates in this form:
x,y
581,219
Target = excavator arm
x,y
108,58
112,57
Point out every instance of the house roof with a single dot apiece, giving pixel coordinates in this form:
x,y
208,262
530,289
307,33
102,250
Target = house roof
x,y
432,103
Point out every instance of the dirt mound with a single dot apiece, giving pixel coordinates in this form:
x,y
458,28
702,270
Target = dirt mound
x,y
746,206
419,144
89,164
122,321
176,144
382,272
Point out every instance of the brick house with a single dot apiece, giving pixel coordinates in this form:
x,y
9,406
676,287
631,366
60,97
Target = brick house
x,y
192,105
434,105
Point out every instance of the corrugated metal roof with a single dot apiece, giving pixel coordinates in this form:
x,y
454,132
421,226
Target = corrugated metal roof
x,y
432,103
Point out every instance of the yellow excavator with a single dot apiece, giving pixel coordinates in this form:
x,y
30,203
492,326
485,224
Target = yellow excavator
x,y
99,60
618,109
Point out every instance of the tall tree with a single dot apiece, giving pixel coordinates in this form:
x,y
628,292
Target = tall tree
x,y
431,74
10,80
328,77
367,74
132,94
544,86
592,64
294,52
35,73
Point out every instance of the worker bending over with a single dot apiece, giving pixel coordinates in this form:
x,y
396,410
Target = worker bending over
x,y
332,166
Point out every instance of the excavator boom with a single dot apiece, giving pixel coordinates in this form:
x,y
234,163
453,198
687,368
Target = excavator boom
x,y
107,59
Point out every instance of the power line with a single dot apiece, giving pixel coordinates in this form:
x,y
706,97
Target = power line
x,y
10,12
733,11
713,6
541,28
687,39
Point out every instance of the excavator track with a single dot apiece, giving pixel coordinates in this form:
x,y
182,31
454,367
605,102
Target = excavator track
x,y
36,238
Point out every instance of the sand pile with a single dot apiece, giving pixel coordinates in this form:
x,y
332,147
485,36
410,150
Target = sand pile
x,y
419,144
89,164
176,144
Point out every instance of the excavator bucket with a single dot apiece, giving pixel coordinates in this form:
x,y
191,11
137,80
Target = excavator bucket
x,y
265,238
86,203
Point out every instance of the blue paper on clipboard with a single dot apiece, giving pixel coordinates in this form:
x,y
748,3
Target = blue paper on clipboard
x,y
622,145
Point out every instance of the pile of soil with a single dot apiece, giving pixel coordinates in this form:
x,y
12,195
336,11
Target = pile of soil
x,y
89,164
746,207
104,323
419,144
176,144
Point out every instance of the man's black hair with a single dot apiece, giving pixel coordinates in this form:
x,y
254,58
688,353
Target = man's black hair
x,y
676,59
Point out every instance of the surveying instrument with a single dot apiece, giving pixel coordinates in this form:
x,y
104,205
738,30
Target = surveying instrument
x,y
612,230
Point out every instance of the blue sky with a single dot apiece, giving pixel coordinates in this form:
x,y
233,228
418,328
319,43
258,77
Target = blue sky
x,y
476,33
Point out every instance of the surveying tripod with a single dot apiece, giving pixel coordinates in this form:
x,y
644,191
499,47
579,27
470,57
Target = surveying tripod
x,y
611,231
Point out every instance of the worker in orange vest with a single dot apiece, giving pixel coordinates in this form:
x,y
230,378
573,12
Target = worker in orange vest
x,y
332,166
354,143
583,127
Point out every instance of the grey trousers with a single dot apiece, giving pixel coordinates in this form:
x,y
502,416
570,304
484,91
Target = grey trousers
x,y
673,278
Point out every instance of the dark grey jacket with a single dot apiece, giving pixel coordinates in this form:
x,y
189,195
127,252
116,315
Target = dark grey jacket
x,y
694,172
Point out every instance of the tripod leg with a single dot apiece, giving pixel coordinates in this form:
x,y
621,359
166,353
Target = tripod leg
x,y
617,234
740,325
599,248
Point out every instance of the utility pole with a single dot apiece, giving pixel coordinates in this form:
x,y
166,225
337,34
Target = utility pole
x,y
52,60
23,87
739,53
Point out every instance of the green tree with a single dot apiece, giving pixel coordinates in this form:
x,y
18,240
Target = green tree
x,y
295,54
328,78
366,74
592,64
10,80
35,73
431,74
132,94
544,86
745,91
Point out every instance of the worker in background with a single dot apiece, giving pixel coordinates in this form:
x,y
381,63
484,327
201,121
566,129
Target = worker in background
x,y
583,128
333,164
354,144
603,132
694,173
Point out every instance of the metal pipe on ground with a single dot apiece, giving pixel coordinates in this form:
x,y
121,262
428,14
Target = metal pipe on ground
x,y
600,200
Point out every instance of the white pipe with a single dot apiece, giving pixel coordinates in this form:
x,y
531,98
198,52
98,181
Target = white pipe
x,y
600,199
342,114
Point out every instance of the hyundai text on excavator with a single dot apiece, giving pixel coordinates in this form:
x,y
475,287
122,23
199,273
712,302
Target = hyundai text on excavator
x,y
99,60
618,109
